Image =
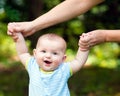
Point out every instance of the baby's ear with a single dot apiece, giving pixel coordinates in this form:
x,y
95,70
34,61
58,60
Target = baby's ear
x,y
34,52
64,57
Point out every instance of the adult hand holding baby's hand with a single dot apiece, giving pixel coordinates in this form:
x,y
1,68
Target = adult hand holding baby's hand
x,y
26,28
84,42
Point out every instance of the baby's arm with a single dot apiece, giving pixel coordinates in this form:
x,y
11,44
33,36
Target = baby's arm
x,y
21,47
81,56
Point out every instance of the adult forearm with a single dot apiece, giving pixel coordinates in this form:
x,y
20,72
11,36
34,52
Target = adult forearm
x,y
101,36
63,12
112,35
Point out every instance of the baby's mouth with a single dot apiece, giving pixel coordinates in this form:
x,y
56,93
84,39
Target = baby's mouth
x,y
47,62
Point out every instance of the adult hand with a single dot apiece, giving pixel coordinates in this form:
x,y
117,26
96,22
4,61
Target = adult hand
x,y
25,27
95,37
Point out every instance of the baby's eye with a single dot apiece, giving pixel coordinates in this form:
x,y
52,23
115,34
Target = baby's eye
x,y
55,53
43,51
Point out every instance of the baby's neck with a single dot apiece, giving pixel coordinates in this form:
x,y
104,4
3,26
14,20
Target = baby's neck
x,y
46,72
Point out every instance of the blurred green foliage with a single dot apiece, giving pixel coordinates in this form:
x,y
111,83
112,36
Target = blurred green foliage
x,y
97,17
7,48
104,55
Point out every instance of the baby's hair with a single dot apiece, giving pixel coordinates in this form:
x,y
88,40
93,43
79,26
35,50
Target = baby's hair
x,y
54,37
51,36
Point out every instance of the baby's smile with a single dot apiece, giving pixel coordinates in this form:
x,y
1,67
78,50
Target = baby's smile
x,y
47,62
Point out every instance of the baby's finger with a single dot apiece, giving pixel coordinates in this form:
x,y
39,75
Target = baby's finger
x,y
84,48
15,38
83,43
9,33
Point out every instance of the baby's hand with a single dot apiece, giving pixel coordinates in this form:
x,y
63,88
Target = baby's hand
x,y
84,42
15,36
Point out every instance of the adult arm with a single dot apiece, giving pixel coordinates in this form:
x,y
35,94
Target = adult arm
x,y
64,11
101,36
110,35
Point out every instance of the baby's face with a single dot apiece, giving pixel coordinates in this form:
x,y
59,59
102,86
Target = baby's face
x,y
49,54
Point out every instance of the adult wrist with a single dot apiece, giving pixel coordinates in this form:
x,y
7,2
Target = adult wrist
x,y
103,35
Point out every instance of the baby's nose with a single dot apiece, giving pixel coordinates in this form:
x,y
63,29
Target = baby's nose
x,y
48,55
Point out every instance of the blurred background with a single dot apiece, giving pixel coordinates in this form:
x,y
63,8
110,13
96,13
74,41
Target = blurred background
x,y
100,75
